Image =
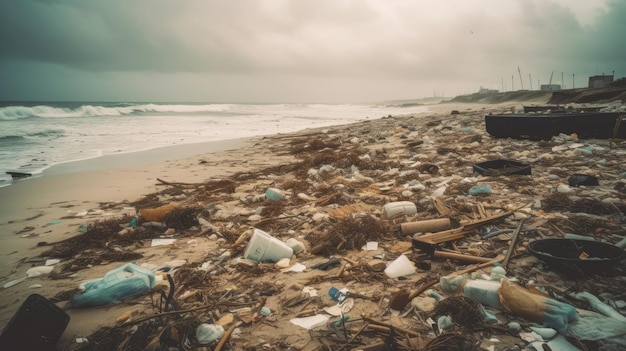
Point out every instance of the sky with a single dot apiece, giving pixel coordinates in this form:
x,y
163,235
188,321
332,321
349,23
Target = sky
x,y
301,51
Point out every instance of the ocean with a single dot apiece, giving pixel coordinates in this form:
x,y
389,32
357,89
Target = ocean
x,y
36,136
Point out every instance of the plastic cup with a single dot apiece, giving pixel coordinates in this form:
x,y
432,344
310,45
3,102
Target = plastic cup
x,y
264,247
400,267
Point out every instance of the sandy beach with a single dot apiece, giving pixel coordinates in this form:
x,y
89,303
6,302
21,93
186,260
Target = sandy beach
x,y
54,207
79,186
44,208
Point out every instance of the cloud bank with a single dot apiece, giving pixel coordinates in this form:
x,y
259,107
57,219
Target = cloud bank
x,y
300,51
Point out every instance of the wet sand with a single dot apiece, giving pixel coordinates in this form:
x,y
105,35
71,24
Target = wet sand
x,y
64,190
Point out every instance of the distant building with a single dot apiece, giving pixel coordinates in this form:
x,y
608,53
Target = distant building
x,y
550,87
487,91
600,81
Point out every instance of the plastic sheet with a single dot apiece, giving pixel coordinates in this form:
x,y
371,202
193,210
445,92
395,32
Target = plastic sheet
x,y
121,283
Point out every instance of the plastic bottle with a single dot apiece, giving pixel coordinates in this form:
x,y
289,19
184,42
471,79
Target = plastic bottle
x,y
482,189
121,283
206,333
399,208
485,291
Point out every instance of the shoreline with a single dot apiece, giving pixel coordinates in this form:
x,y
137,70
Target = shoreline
x,y
41,202
34,146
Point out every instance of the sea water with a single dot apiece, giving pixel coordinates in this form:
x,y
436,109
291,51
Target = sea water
x,y
35,136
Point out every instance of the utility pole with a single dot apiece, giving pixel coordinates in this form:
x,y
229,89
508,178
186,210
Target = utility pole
x,y
531,81
562,81
573,81
520,77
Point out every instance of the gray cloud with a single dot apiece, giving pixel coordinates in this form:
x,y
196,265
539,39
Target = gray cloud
x,y
333,50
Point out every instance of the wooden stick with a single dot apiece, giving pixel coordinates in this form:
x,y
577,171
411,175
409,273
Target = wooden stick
x,y
341,270
480,266
460,257
171,313
175,183
352,262
383,324
460,233
422,288
226,336
509,252
354,336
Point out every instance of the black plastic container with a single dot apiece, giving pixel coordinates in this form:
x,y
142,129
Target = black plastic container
x,y
37,325
585,256
582,179
598,125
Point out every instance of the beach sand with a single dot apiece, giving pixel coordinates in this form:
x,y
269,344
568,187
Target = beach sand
x,y
50,204
48,209
42,202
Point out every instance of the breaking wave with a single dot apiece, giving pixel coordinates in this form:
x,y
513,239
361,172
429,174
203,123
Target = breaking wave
x,y
46,111
16,135
72,110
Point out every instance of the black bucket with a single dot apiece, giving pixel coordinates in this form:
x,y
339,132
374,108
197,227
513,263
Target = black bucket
x,y
577,256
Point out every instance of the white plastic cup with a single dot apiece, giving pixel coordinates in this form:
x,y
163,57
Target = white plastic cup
x,y
400,267
398,208
264,247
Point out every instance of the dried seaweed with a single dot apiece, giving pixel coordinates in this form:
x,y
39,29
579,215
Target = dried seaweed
x,y
91,258
562,202
273,208
301,146
149,201
463,310
297,185
104,339
349,233
451,342
225,185
97,235
192,278
456,187
182,218
324,157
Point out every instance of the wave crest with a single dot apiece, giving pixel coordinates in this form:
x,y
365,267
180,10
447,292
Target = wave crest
x,y
45,111
17,135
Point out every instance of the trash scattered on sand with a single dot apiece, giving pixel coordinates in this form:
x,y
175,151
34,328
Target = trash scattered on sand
x,y
408,226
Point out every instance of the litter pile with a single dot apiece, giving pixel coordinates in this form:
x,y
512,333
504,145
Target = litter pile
x,y
404,233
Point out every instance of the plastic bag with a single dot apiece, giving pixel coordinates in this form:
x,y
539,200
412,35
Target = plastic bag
x,y
121,283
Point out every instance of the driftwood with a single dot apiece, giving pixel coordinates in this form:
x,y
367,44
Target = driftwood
x,y
460,233
163,182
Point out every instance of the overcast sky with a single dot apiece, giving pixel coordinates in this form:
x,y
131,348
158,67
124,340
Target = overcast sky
x,y
300,50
